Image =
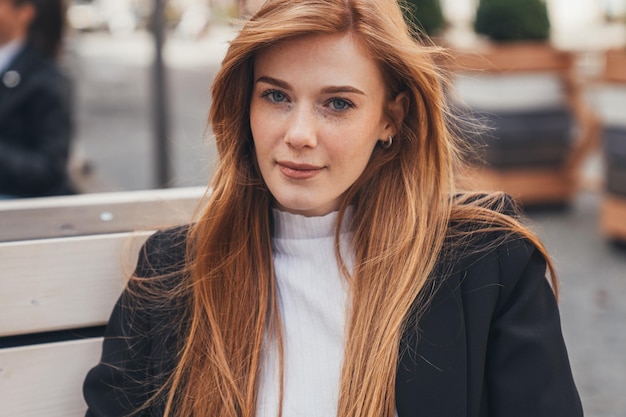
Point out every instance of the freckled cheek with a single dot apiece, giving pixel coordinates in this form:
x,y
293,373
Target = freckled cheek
x,y
342,153
266,125
352,144
263,154
261,132
261,148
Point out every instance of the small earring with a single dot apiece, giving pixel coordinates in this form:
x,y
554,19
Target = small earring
x,y
388,143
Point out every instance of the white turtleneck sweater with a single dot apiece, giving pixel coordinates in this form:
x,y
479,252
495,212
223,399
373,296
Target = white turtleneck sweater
x,y
312,299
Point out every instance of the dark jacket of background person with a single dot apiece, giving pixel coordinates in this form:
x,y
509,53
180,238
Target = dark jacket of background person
x,y
489,345
35,127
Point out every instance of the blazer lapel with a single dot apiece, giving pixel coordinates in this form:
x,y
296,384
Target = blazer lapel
x,y
432,371
14,79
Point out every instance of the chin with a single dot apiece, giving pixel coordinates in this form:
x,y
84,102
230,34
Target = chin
x,y
297,206
293,208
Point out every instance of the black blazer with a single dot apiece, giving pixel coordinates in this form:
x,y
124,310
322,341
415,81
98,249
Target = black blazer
x,y
490,345
35,127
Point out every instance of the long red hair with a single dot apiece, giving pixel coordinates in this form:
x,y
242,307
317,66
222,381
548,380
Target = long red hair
x,y
403,207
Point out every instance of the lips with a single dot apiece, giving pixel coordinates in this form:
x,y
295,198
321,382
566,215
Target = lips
x,y
298,171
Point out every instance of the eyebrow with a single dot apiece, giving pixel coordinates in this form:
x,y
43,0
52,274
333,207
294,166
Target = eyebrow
x,y
274,81
325,90
341,89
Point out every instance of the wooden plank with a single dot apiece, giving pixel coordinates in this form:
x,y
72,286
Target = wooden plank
x,y
53,284
523,57
528,186
615,67
46,380
87,214
613,217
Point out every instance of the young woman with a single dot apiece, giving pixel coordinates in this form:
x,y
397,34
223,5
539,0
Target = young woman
x,y
334,270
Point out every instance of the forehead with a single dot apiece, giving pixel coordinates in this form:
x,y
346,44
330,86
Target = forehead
x,y
337,58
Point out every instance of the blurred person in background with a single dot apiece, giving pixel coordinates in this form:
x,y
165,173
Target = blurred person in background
x,y
35,116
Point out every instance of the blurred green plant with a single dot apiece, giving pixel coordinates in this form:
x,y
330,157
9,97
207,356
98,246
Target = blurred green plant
x,y
424,15
513,20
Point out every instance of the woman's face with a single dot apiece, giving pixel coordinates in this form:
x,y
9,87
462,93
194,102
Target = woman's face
x,y
316,114
14,20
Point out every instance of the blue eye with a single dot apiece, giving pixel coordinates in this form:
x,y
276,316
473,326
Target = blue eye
x,y
275,96
340,104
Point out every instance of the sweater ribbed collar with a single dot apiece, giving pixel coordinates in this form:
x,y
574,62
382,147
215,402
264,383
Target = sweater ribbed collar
x,y
295,226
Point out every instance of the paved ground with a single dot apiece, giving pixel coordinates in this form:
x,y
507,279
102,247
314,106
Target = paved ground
x,y
114,134
593,279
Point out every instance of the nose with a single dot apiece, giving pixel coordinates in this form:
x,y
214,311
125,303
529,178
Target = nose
x,y
301,130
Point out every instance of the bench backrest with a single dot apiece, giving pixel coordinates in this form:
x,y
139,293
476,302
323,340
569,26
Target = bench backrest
x,y
88,214
57,291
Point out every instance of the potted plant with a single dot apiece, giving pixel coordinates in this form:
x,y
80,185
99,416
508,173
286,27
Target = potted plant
x,y
426,16
513,20
523,90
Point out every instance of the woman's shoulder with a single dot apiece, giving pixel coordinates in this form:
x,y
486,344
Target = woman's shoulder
x,y
478,219
487,231
159,277
498,202
163,253
489,250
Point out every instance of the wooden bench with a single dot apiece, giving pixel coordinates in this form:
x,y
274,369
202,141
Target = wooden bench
x,y
531,185
63,263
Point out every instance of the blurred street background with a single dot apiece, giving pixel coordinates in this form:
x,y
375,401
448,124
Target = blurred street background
x,y
110,53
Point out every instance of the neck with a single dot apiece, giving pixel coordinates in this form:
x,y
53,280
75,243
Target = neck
x,y
13,40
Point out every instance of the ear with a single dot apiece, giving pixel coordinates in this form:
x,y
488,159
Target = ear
x,y
397,110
